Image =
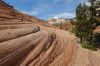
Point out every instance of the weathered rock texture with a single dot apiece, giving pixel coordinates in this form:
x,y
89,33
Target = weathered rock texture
x,y
26,44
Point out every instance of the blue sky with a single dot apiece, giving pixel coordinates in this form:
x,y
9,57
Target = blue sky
x,y
45,9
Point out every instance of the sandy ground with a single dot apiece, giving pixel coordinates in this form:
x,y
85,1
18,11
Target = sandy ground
x,y
47,47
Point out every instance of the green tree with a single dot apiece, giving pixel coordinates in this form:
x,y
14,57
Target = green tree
x,y
82,28
92,20
86,23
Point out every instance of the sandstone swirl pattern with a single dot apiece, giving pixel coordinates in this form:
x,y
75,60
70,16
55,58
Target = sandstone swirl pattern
x,y
47,47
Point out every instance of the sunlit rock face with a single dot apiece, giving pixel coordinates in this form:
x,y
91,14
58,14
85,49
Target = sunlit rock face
x,y
58,20
62,23
97,5
6,9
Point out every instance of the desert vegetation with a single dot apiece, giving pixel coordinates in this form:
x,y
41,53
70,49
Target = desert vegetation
x,y
86,24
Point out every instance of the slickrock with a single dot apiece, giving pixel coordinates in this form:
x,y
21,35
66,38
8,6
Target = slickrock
x,y
15,33
23,43
50,47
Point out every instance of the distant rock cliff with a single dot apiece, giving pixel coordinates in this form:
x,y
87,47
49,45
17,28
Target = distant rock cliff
x,y
62,23
58,20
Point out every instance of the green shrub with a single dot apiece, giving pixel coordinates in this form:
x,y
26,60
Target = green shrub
x,y
89,46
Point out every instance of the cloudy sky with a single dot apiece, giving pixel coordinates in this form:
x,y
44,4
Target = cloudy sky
x,y
45,9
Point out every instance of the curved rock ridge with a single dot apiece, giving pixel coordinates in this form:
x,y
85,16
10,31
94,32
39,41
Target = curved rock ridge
x,y
50,47
15,33
23,43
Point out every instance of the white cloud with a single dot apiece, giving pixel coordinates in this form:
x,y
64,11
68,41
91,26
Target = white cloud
x,y
87,3
55,17
64,15
30,12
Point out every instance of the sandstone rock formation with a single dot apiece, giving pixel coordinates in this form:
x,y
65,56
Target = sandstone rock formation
x,y
8,11
24,43
62,23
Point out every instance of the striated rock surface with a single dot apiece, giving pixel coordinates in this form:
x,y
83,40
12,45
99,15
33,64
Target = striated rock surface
x,y
23,43
50,47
